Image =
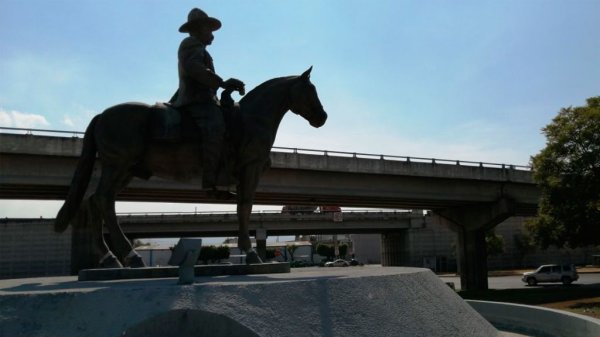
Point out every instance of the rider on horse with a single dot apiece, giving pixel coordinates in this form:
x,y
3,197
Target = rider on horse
x,y
198,84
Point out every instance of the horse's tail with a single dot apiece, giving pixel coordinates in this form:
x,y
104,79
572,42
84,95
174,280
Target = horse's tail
x,y
80,181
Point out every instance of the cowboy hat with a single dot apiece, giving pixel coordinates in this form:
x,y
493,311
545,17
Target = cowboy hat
x,y
198,17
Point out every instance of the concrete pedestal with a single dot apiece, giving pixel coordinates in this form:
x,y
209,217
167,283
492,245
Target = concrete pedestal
x,y
353,301
200,270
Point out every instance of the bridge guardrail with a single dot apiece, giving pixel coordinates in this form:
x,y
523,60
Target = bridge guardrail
x,y
258,212
358,155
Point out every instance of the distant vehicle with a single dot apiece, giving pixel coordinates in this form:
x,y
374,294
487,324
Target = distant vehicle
x,y
337,263
303,209
298,209
324,209
353,262
299,264
551,273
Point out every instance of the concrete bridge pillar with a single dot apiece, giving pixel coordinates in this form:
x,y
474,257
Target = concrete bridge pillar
x,y
395,250
471,224
472,258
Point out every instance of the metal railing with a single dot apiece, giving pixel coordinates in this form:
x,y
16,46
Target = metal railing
x,y
326,153
29,131
234,214
274,211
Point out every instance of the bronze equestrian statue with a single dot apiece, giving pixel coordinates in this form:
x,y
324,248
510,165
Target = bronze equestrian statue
x,y
139,140
123,139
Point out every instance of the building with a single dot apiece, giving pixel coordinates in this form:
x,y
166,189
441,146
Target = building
x,y
302,252
30,247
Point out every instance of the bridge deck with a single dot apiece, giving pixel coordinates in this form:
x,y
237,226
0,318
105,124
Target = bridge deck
x,y
40,167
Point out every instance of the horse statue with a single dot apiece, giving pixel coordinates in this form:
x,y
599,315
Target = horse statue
x,y
122,139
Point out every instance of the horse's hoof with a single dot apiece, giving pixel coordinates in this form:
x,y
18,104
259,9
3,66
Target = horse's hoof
x,y
134,262
110,262
252,258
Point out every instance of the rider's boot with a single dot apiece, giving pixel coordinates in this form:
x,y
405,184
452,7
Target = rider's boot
x,y
225,178
210,164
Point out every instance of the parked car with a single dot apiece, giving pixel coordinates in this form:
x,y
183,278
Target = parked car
x,y
299,264
337,263
551,273
353,262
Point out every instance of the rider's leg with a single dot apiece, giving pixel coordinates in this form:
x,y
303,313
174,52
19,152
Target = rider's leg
x,y
211,153
210,120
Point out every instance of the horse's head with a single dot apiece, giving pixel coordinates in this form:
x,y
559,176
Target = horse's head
x,y
305,102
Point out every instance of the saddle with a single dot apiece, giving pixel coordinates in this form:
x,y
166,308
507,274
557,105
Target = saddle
x,y
172,125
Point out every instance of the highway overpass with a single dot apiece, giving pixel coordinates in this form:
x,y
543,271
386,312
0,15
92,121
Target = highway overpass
x,y
41,167
473,197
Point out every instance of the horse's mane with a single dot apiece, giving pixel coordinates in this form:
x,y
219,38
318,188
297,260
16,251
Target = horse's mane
x,y
265,86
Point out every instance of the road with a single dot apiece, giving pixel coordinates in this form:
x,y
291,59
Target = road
x,y
511,282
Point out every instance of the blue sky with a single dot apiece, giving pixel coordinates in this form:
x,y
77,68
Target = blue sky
x,y
469,80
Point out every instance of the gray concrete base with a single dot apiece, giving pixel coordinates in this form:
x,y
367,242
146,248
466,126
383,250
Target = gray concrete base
x,y
105,274
353,301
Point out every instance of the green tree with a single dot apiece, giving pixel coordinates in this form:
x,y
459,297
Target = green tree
x,y
325,250
494,243
524,245
343,249
270,253
213,254
208,254
568,173
291,249
222,253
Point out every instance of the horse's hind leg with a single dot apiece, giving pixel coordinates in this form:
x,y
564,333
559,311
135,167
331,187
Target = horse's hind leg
x,y
90,250
113,179
107,258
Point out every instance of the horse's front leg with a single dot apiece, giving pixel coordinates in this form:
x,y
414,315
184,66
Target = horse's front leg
x,y
244,210
245,198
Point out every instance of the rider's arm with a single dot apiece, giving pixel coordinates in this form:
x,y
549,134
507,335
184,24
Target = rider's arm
x,y
191,56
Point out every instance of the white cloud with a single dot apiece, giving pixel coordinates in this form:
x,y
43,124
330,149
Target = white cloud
x,y
22,120
79,116
5,119
68,121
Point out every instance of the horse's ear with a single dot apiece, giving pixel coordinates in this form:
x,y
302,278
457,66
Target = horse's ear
x,y
306,75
